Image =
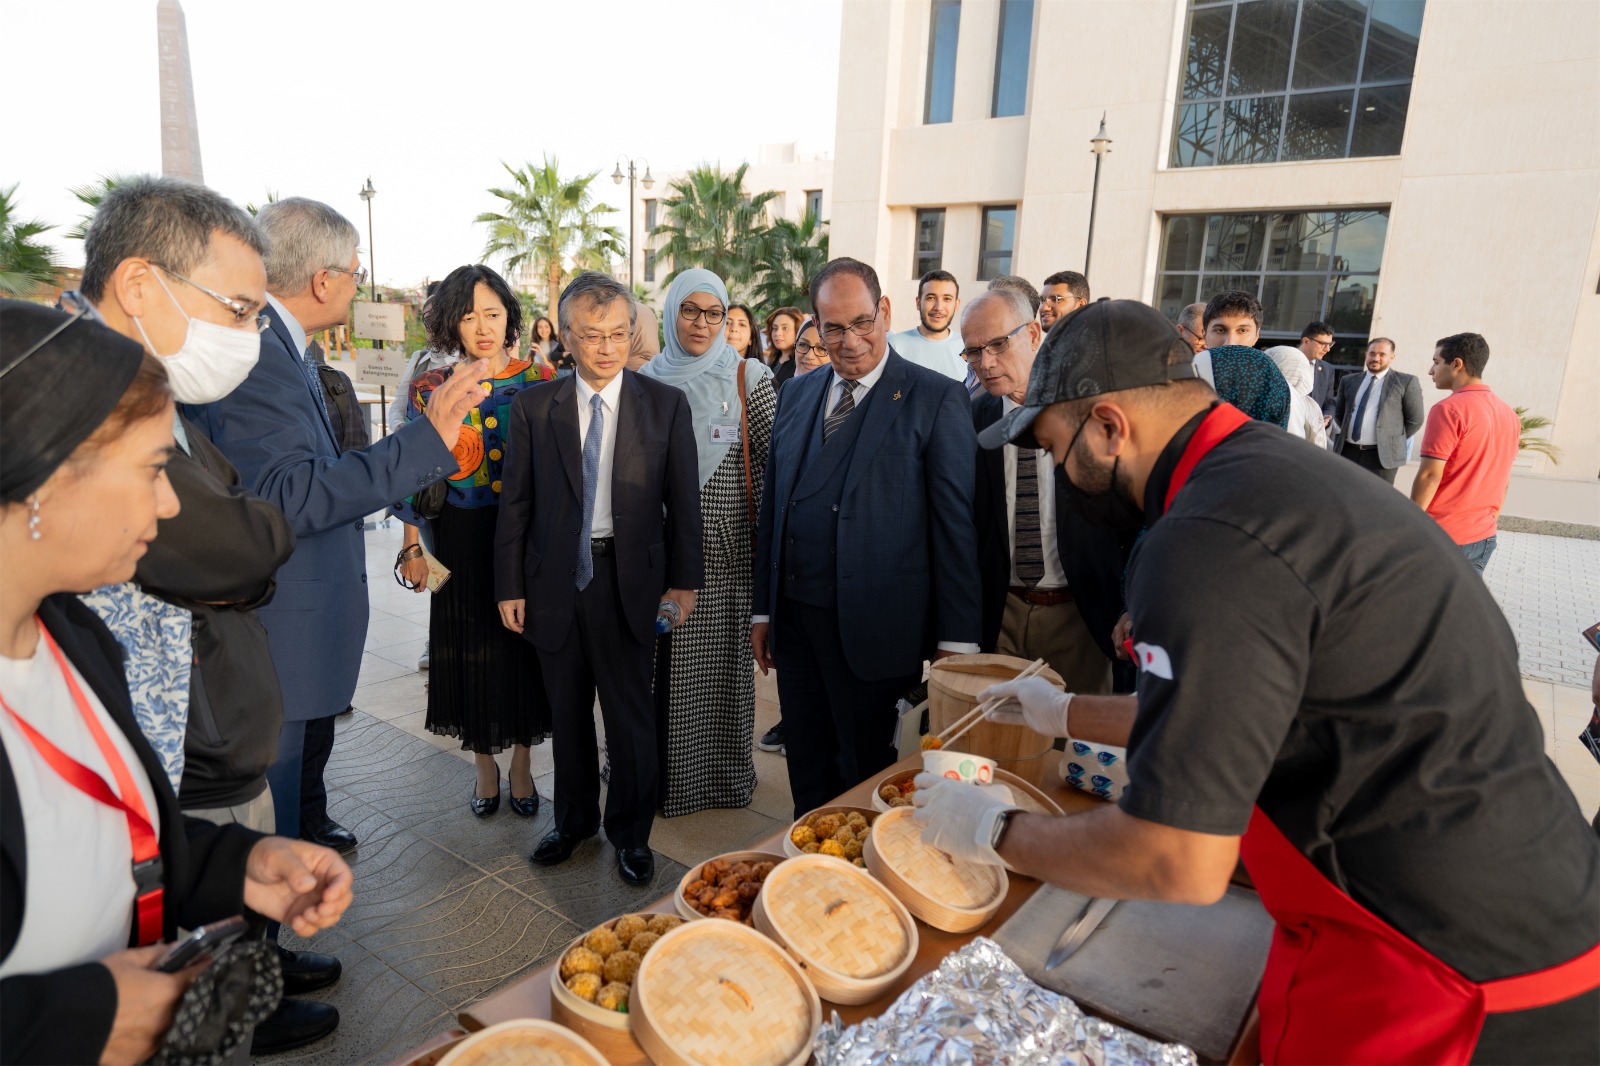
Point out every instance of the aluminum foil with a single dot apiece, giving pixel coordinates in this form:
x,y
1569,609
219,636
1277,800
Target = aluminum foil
x,y
979,1007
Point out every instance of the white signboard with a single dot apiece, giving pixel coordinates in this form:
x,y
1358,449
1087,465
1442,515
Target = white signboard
x,y
380,322
380,366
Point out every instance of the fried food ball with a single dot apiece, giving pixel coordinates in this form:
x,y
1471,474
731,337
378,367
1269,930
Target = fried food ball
x,y
859,862
621,967
852,850
662,924
803,835
643,942
760,870
628,927
811,848
844,836
931,743
613,996
900,801
832,847
888,792
826,825
584,985
580,960
602,942
856,820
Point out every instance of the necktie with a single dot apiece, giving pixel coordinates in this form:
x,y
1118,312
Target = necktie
x,y
847,403
591,478
314,380
1027,545
1368,389
973,383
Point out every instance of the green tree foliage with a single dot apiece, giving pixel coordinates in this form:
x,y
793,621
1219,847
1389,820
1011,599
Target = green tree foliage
x,y
26,262
791,254
1530,443
90,196
711,222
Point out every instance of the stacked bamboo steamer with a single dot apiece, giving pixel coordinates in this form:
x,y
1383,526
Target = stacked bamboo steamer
x,y
524,1042
953,686
1027,795
950,894
849,933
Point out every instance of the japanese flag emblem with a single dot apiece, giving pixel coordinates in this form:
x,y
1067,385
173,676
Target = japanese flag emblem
x,y
1153,659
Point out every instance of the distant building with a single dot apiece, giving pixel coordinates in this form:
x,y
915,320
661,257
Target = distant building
x,y
180,132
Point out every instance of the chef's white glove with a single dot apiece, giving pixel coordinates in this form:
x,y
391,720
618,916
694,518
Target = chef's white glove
x,y
1033,702
958,818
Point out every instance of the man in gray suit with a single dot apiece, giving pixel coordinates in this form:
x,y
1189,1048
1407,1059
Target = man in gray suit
x,y
1377,411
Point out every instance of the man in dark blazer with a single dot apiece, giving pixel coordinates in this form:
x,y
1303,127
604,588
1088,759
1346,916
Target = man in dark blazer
x,y
866,556
599,524
1316,340
1377,412
1052,582
275,430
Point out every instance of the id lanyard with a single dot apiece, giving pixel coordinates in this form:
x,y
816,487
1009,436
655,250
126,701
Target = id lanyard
x,y
147,868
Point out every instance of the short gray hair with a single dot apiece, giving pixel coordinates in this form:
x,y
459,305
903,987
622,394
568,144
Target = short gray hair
x,y
600,289
1192,316
165,220
1014,299
304,236
1013,283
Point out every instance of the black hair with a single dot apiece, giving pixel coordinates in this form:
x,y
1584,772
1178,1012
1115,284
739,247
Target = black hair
x,y
1076,283
856,269
1470,348
922,282
433,287
1232,302
753,350
1316,329
455,300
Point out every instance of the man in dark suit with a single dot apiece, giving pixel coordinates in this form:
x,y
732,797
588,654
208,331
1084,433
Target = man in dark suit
x,y
1052,582
275,429
1316,340
1377,412
865,552
599,513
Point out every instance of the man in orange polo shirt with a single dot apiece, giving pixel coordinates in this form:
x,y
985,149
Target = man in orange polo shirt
x,y
1467,449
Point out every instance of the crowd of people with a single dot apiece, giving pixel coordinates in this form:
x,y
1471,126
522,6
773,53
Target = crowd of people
x,y
658,515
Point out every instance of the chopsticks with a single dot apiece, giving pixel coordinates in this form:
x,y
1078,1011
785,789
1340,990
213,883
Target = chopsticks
x,y
960,727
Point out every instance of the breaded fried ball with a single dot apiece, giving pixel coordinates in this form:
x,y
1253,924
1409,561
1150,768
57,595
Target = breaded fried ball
x,y
852,850
602,942
628,927
584,985
621,967
844,836
900,801
811,848
832,847
859,862
888,792
580,960
856,820
613,997
803,835
662,924
826,825
643,942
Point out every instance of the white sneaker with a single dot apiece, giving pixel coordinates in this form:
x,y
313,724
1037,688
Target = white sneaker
x,y
422,661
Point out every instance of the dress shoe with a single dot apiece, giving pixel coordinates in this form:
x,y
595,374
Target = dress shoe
x,y
637,865
526,806
330,834
307,971
296,1023
485,807
555,848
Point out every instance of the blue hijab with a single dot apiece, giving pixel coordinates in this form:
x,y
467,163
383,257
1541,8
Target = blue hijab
x,y
710,381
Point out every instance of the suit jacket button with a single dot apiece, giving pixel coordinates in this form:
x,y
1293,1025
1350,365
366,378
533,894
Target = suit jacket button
x,y
836,507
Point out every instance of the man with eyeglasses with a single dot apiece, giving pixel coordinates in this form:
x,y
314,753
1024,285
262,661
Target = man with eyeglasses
x,y
1064,292
1191,327
865,543
1316,340
1052,583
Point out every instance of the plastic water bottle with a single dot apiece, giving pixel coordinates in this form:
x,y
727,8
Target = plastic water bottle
x,y
667,615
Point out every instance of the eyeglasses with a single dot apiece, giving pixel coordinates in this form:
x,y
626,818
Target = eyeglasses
x,y
359,275
1056,299
995,348
82,310
833,336
619,339
713,315
1324,345
242,313
801,348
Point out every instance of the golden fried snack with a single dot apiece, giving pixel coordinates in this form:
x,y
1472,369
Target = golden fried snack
x,y
858,861
844,836
856,820
852,850
811,848
931,743
580,960
628,927
761,869
900,801
584,985
602,942
803,835
748,891
826,825
621,966
662,924
832,847
643,942
888,792
613,996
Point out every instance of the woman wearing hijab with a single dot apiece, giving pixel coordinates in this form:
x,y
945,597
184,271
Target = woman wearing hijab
x,y
1246,378
707,683
1305,417
99,866
809,354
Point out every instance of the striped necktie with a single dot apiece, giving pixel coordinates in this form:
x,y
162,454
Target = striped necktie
x,y
847,403
1028,545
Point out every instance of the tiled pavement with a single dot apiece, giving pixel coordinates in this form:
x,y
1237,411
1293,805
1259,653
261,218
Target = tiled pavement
x,y
448,908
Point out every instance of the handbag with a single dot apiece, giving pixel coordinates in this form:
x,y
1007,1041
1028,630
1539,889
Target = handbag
x,y
429,503
238,991
744,441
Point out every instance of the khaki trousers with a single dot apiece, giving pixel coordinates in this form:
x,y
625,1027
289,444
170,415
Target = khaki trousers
x,y
1058,635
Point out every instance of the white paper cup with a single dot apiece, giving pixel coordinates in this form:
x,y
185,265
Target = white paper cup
x,y
959,766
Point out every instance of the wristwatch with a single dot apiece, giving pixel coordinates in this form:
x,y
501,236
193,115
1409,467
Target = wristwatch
x,y
998,833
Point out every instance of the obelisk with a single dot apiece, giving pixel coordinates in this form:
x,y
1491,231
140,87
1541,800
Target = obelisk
x,y
180,133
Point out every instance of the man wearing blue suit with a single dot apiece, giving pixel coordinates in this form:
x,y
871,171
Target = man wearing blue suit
x,y
866,556
275,430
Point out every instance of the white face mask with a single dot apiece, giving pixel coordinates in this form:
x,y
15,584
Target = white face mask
x,y
213,361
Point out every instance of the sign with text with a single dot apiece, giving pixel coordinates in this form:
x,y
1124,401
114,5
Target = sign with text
x,y
380,366
380,322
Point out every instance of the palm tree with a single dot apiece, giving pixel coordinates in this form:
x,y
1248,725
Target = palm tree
x,y
91,195
791,255
548,220
1530,443
712,222
26,263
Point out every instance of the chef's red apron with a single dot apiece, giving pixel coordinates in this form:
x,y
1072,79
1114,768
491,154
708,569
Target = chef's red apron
x,y
1342,985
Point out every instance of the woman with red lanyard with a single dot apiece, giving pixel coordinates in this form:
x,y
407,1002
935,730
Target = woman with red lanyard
x,y
1327,692
97,866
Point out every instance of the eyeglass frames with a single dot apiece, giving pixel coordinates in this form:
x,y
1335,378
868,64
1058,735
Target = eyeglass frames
x,y
241,312
833,336
995,348
713,315
359,275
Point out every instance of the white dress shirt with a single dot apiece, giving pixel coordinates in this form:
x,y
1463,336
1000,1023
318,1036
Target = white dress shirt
x,y
1055,575
1367,431
609,398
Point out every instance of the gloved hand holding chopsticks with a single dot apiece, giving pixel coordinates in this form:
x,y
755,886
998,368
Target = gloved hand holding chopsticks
x,y
1033,702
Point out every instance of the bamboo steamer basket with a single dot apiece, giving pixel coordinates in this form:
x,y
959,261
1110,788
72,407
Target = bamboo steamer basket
x,y
721,994
847,931
1028,796
794,852
687,912
953,687
608,1030
949,894
523,1042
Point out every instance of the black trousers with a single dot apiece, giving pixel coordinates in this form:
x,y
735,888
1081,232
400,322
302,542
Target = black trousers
x,y
299,795
838,729
601,652
313,763
1368,458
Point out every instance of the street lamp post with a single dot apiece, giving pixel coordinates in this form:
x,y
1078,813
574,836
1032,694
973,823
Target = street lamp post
x,y
1099,144
646,181
367,193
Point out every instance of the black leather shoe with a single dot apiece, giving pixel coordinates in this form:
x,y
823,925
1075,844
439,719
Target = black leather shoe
x,y
485,807
330,834
557,847
307,971
526,806
296,1023
637,865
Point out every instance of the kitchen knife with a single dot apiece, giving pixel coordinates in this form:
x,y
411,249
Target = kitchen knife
x,y
1079,931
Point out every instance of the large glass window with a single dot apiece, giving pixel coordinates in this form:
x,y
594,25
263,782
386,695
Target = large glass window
x,y
944,26
996,241
649,252
1268,81
1011,58
1304,266
814,203
930,241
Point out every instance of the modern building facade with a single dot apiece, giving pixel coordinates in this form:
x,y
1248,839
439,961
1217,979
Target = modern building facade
x,y
1399,168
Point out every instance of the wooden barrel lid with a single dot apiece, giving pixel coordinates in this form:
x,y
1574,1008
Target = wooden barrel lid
x,y
965,676
834,915
524,1042
967,885
718,992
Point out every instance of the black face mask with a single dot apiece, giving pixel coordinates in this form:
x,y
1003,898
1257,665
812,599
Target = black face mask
x,y
1104,507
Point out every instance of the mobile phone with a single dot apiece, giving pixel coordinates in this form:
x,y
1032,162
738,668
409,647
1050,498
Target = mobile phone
x,y
1592,635
200,941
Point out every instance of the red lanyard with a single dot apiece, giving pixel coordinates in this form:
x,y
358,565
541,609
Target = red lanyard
x,y
147,868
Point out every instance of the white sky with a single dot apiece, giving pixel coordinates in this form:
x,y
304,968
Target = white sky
x,y
427,98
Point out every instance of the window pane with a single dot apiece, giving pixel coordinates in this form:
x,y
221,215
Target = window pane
x,y
1207,52
1175,292
1392,40
1350,303
814,202
1212,284
930,240
1234,243
1347,351
1302,241
1330,43
1194,135
649,215
1317,126
943,27
1360,244
1011,58
1185,236
1250,130
1380,120
995,242
1263,33
1292,300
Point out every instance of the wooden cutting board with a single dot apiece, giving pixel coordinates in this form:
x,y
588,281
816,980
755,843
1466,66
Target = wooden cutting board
x,y
1176,972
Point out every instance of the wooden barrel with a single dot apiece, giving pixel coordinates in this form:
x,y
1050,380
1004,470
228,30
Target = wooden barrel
x,y
953,688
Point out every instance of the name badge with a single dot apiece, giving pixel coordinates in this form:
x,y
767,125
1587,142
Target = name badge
x,y
725,434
